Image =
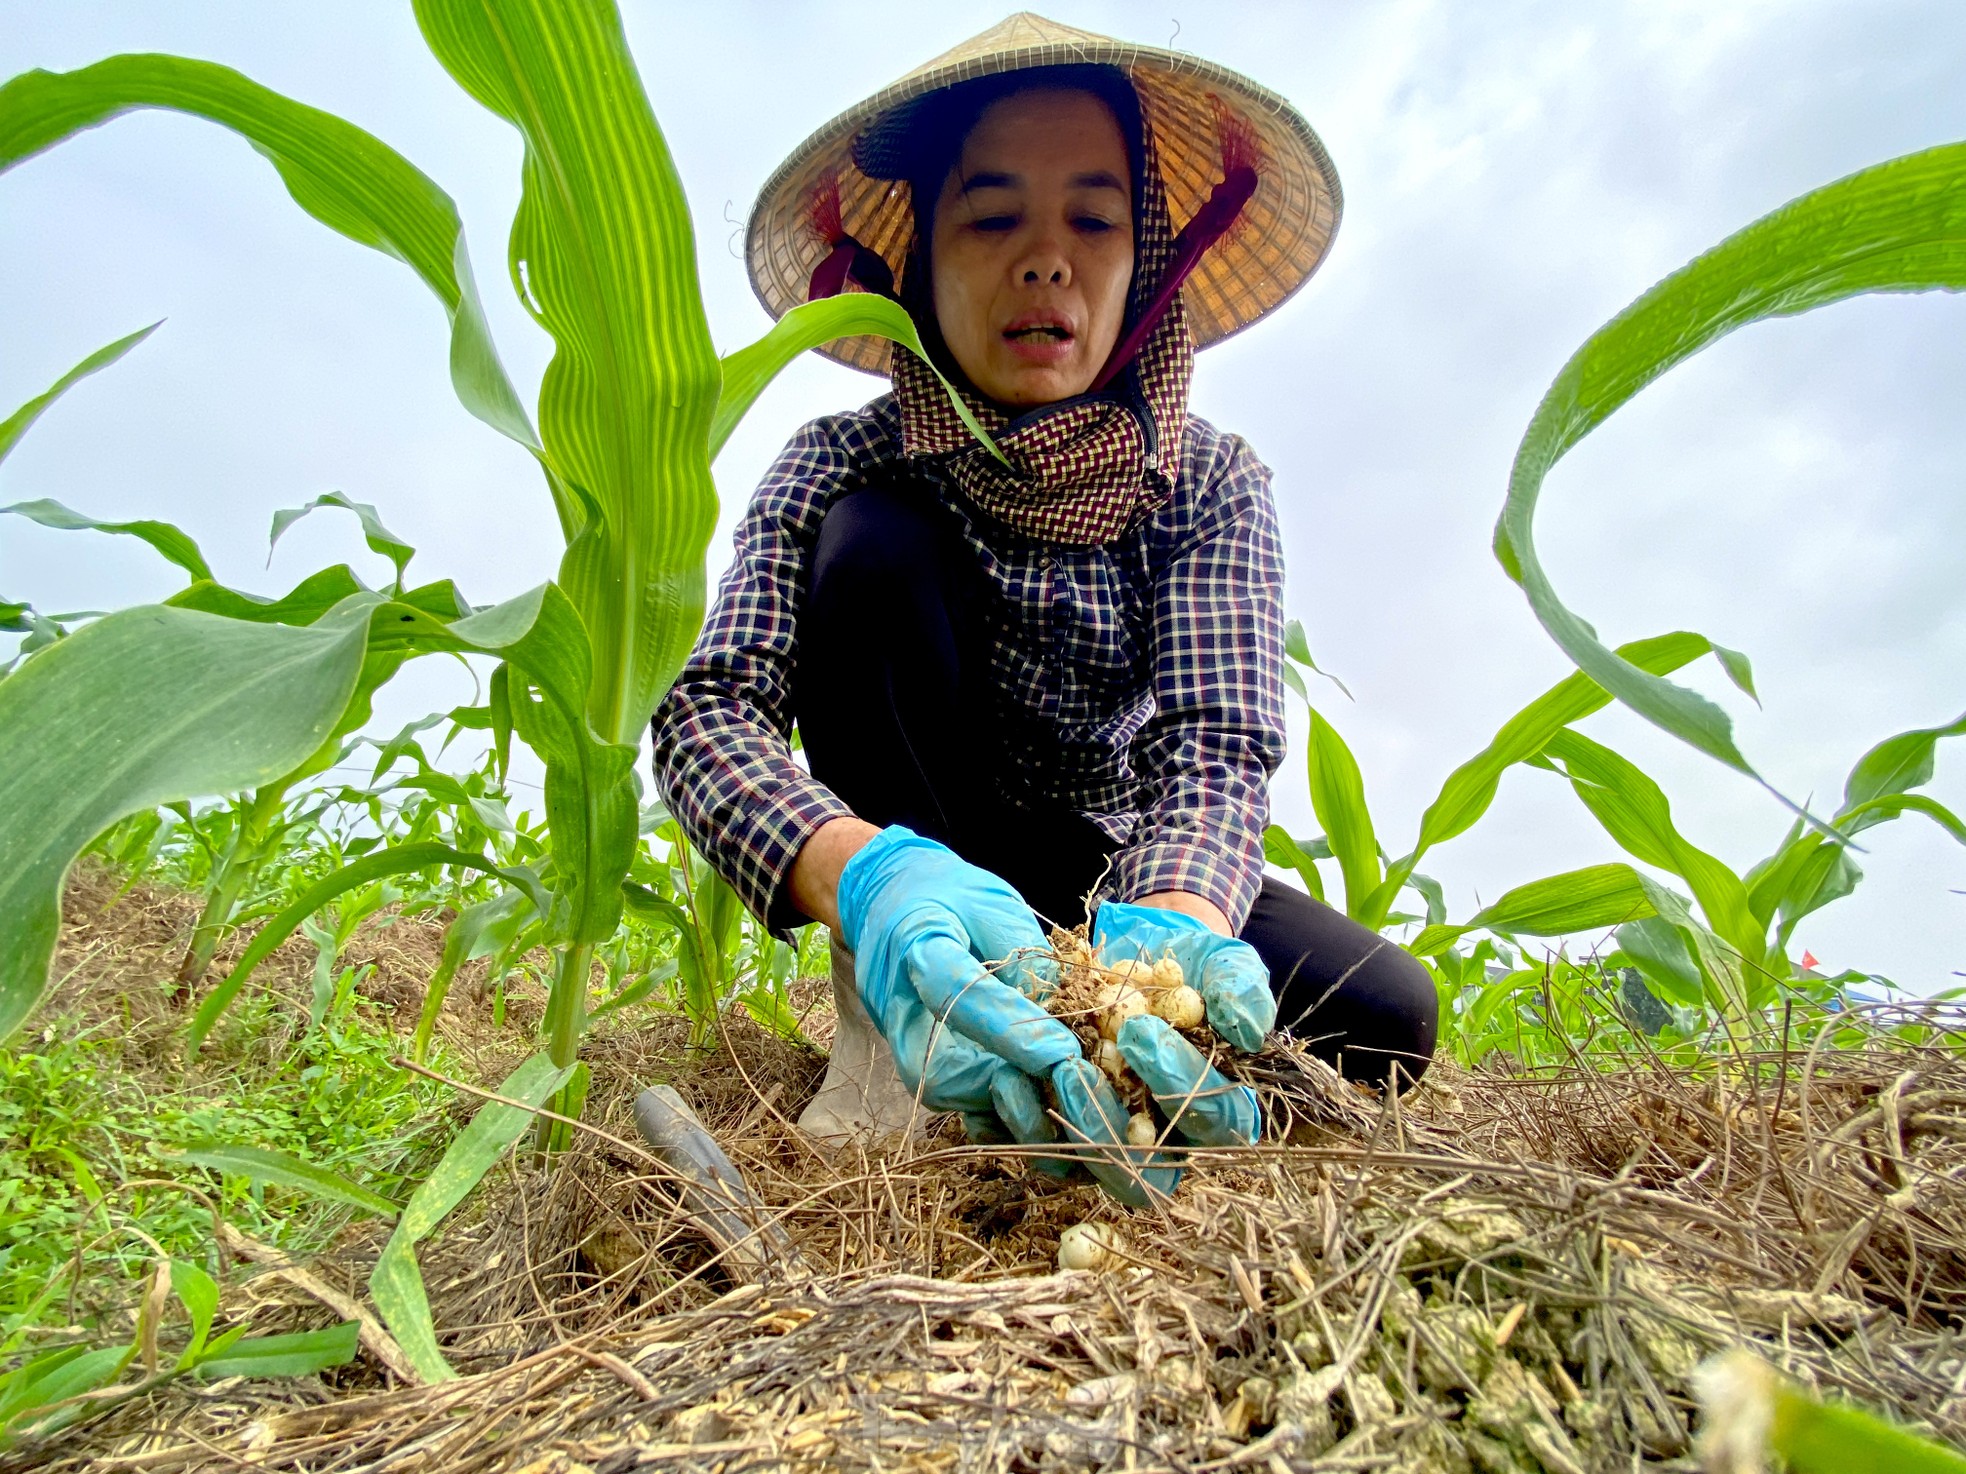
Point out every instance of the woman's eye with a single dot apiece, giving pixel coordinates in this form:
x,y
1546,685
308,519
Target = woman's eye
x,y
1093,225
994,223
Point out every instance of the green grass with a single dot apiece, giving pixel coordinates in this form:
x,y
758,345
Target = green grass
x,y
87,1169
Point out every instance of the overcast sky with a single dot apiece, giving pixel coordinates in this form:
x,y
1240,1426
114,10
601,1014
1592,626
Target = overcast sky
x,y
1514,174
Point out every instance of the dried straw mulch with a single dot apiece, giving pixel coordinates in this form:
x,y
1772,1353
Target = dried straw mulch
x,y
1496,1273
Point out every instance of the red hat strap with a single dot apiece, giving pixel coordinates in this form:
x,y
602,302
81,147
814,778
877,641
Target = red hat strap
x,y
1217,216
848,257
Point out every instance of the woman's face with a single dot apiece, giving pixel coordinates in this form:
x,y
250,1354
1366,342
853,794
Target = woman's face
x,y
1032,249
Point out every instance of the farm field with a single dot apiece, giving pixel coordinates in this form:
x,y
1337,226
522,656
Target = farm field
x,y
323,1038
1516,1267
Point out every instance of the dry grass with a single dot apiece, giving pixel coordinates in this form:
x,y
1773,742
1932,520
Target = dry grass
x,y
1494,1273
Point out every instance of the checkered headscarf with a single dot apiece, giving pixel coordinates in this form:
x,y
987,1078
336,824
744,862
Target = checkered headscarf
x,y
1081,470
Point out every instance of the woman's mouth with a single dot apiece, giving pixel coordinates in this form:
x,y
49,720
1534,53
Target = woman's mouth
x,y
1040,337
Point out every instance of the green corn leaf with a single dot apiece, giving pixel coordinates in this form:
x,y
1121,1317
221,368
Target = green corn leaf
x,y
1591,899
1297,646
1899,226
479,930
1499,1004
260,1164
1729,983
1470,788
199,1293
314,596
1749,1410
399,860
591,807
17,1387
1660,953
1897,764
327,948
1338,799
15,425
404,744
141,708
297,1354
604,255
1891,805
172,543
1430,892
649,906
659,976
747,371
718,905
379,538
498,698
1280,849
306,602
766,1004
1808,871
1767,880
66,1377
396,1283
1827,873
1635,813
345,178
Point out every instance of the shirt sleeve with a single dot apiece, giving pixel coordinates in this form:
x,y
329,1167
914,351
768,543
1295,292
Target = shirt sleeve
x,y
1217,732
722,736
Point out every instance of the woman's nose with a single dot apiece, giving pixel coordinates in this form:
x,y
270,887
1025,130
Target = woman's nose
x,y
1045,263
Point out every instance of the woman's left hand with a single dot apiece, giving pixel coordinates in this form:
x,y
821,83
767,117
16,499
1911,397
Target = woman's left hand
x,y
1231,978
1202,1105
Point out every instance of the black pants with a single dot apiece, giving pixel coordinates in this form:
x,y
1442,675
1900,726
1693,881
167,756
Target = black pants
x,y
895,721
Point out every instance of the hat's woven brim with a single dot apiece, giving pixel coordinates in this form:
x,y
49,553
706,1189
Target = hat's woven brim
x,y
1283,234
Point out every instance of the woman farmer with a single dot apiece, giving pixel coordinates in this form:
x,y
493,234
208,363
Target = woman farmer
x,y
1049,679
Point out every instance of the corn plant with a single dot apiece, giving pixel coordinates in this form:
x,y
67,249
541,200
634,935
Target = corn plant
x,y
1373,884
216,691
59,1388
1724,951
1899,226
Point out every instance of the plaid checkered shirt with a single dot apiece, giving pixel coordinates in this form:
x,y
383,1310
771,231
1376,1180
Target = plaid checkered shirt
x,y
1148,672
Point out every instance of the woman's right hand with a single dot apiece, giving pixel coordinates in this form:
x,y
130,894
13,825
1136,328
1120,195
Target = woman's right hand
x,y
920,922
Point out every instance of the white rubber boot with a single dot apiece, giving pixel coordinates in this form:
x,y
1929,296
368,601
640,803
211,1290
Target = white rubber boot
x,y
863,1097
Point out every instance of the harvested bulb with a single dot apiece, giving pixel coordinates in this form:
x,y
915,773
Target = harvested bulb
x,y
1110,1061
1118,1002
1089,1246
1181,1006
1141,1129
1167,974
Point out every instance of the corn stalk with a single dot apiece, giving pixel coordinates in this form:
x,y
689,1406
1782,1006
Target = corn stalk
x,y
221,692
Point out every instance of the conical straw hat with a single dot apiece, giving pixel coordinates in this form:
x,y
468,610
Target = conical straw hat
x,y
1283,234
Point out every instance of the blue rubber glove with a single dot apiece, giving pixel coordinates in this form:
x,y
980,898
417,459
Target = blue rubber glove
x,y
1201,1105
1228,974
920,921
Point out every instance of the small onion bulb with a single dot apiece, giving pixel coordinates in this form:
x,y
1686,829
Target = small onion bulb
x,y
1168,974
1118,1002
1110,1061
1182,1007
1087,1246
1141,1129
